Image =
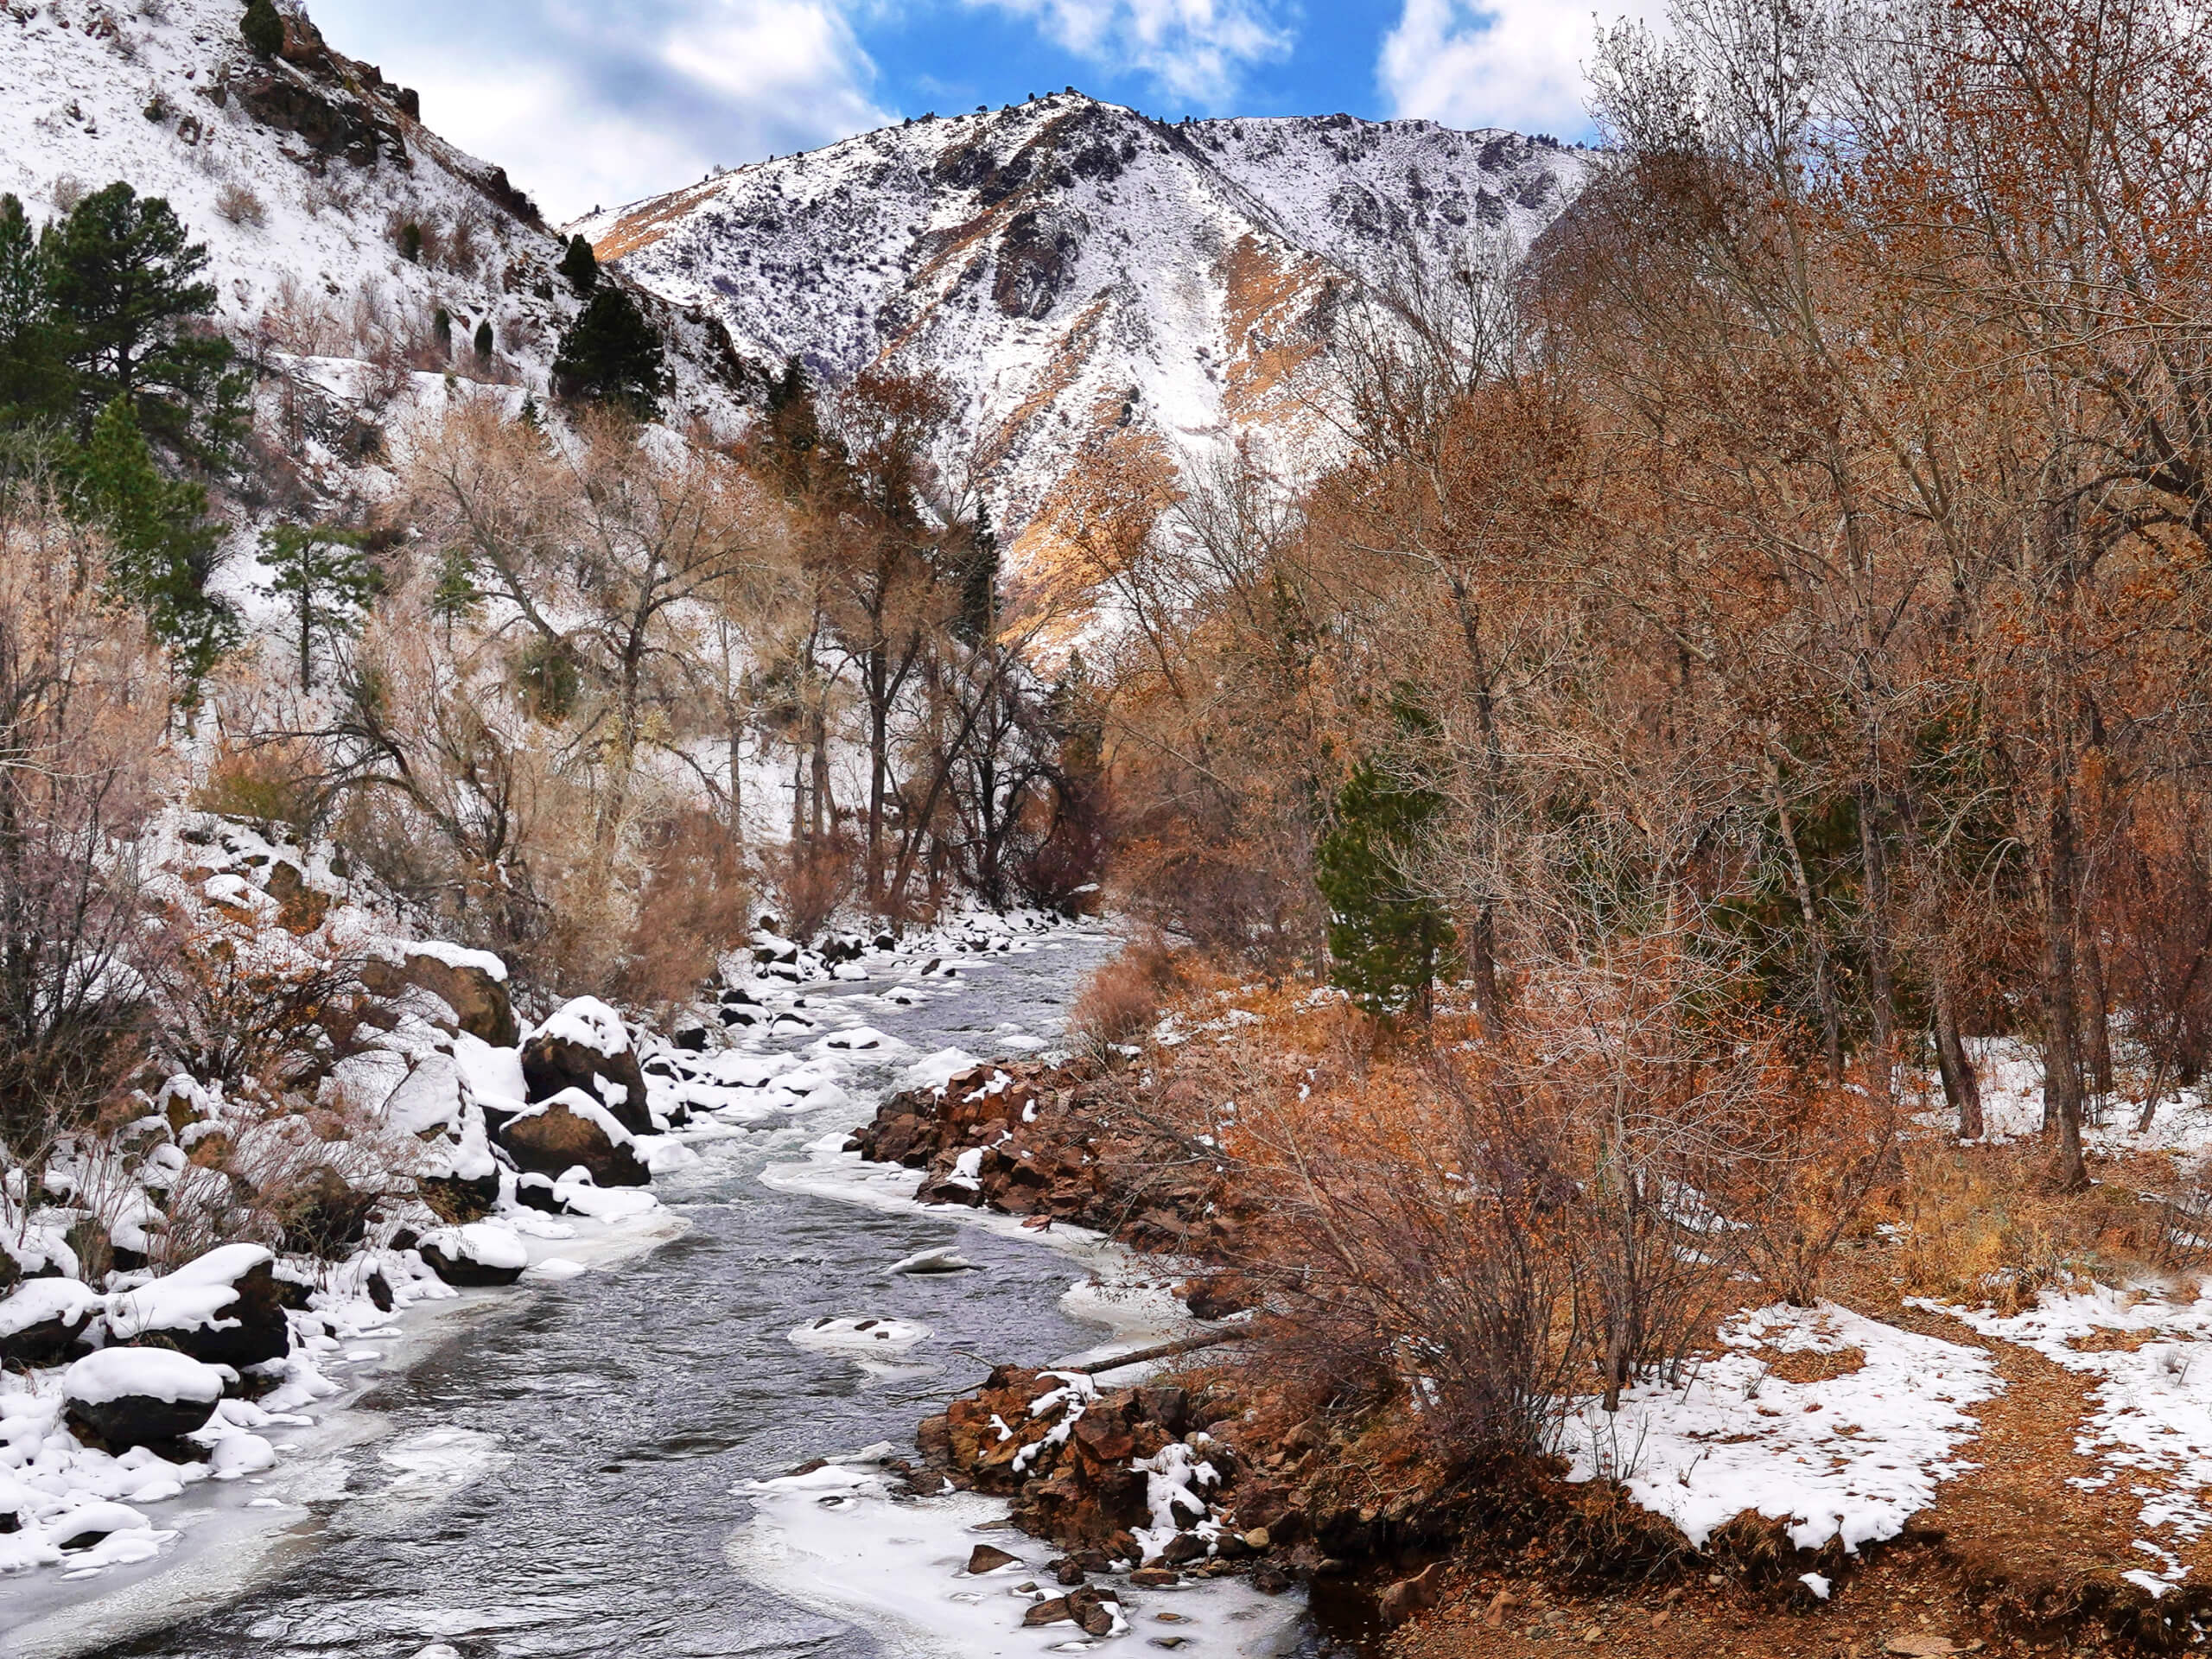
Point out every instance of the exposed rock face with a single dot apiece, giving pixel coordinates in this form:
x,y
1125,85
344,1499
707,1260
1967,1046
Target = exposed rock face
x,y
585,1047
569,1129
477,998
1074,270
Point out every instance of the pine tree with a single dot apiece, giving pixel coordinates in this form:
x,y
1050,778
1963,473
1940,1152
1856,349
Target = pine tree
x,y
162,547
1386,936
326,578
262,28
612,355
123,281
442,329
977,619
483,341
580,265
35,378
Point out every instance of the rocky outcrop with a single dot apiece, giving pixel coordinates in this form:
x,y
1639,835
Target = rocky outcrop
x,y
462,980
568,1130
1037,1141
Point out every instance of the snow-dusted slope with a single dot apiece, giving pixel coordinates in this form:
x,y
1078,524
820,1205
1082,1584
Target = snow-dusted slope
x,y
302,174
1074,267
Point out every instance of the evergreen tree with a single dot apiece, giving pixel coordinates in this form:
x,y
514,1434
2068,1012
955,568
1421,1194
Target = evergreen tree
x,y
485,341
163,548
977,619
612,355
262,28
442,329
35,378
1386,936
580,265
124,283
326,578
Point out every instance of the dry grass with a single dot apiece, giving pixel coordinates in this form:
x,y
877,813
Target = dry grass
x,y
1122,1000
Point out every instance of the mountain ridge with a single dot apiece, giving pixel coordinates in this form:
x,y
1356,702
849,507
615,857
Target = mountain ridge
x,y
1074,269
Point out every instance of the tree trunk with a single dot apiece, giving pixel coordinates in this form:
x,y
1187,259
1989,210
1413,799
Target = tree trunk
x,y
2096,1017
1961,1086
1881,986
2061,1084
1808,913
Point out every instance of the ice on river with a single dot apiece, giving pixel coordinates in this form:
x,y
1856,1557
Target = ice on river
x,y
837,1541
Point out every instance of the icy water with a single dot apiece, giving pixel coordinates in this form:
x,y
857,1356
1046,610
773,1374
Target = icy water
x,y
590,1437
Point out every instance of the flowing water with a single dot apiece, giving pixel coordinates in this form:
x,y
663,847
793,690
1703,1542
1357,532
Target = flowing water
x,y
558,1478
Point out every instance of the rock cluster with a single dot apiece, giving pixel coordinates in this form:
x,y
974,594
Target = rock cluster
x,y
1035,1141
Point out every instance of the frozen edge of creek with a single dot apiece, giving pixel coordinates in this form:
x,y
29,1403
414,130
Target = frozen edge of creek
x,y
837,1541
230,1544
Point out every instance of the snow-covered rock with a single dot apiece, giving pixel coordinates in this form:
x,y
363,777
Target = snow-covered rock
x,y
556,1135
481,1253
221,1308
137,1396
40,1321
583,1045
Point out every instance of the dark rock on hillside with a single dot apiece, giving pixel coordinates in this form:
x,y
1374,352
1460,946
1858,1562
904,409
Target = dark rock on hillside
x,y
479,1001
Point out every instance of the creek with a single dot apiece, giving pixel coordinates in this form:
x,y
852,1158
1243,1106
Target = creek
x,y
563,1475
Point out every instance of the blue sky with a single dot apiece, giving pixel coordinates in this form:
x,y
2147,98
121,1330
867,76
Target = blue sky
x,y
590,103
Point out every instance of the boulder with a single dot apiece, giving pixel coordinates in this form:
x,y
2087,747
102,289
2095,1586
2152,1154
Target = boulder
x,y
222,1308
571,1129
140,1396
332,1216
475,1256
472,983
583,1045
41,1320
429,1099
988,1558
538,1193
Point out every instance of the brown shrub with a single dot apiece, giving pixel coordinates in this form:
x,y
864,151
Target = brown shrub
x,y
1122,1000
276,784
812,881
694,907
239,205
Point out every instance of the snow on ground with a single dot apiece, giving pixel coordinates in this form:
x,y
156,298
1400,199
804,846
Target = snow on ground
x,y
837,1540
2011,1074
2152,1405
1849,1457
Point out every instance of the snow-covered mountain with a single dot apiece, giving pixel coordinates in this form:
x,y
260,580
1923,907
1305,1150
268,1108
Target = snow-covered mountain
x,y
1074,267
337,225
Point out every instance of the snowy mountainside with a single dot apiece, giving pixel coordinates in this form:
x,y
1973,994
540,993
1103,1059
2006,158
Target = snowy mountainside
x,y
1075,269
303,175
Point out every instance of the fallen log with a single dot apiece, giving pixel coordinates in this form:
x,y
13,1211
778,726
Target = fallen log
x,y
1163,1350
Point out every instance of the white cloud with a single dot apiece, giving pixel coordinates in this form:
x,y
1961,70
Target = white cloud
x,y
586,105
1495,63
1197,49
